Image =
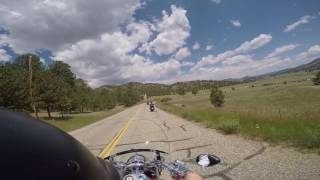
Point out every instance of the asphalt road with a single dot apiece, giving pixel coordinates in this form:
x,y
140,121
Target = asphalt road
x,y
184,140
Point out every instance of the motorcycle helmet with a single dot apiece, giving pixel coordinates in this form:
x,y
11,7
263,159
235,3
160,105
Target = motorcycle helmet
x,y
32,149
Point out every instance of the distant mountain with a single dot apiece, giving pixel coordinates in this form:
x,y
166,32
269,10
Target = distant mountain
x,y
312,66
156,89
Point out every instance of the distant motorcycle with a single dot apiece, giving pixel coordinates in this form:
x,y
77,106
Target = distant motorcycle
x,y
137,167
152,107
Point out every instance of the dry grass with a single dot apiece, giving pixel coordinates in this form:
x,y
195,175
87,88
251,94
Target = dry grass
x,y
271,110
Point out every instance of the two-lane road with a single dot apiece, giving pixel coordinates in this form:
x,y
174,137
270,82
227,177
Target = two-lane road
x,y
241,159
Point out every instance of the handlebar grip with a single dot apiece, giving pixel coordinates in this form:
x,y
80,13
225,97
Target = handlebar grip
x,y
178,170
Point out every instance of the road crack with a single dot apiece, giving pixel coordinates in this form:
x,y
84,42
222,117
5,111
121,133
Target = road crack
x,y
165,125
193,147
223,172
183,128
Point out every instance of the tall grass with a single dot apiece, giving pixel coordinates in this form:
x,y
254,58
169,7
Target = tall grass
x,y
292,131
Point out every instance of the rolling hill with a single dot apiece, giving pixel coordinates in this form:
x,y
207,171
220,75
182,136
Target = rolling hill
x,y
156,89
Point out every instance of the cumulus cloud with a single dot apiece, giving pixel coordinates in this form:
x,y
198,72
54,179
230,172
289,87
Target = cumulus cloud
x,y
301,21
312,52
147,70
187,63
235,23
141,31
173,30
182,53
282,49
196,46
98,39
4,56
108,59
206,60
104,44
57,24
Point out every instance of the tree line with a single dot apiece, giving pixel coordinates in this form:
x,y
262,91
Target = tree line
x,y
26,84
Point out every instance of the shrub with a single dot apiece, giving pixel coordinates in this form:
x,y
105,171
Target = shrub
x,y
216,97
316,80
185,115
267,84
166,99
228,126
194,91
181,91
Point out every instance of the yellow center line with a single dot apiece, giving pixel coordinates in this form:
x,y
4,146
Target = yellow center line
x,y
110,147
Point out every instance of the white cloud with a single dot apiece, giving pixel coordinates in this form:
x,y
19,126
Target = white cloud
x,y
312,52
282,49
187,63
146,70
141,30
244,48
182,53
108,59
96,38
209,47
204,61
216,1
237,67
4,56
240,65
238,59
301,21
173,31
99,40
196,46
57,24
235,23
255,43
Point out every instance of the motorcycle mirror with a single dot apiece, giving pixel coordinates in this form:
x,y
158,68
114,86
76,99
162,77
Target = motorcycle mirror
x,y
206,160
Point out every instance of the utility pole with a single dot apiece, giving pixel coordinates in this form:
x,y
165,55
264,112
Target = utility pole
x,y
30,88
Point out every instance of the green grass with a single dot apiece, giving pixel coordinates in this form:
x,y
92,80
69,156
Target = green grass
x,y
277,113
75,121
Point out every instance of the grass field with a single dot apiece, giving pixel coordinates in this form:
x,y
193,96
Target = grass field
x,y
282,109
75,121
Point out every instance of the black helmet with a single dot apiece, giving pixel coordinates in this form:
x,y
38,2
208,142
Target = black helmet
x,y
32,149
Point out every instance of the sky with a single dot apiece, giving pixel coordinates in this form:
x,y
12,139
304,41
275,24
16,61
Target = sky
x,y
162,41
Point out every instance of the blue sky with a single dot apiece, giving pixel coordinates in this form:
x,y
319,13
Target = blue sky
x,y
116,41
211,25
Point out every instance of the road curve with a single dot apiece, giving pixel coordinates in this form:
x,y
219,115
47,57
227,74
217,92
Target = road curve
x,y
241,159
